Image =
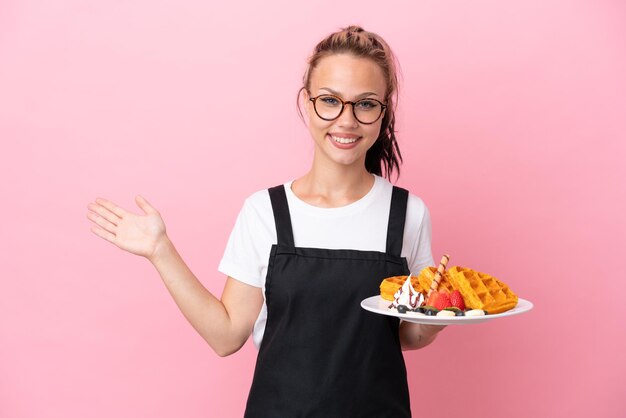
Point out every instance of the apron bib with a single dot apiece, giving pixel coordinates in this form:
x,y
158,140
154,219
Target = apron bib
x,y
322,355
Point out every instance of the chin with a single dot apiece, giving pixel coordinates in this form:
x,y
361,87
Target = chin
x,y
346,162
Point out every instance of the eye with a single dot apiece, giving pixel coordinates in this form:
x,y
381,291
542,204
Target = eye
x,y
367,104
329,100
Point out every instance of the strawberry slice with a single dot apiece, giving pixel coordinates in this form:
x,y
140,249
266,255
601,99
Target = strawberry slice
x,y
456,299
443,301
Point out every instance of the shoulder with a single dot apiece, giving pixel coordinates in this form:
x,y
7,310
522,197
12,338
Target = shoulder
x,y
416,207
258,204
258,200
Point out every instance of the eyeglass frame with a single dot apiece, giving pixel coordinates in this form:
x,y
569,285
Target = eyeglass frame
x,y
343,106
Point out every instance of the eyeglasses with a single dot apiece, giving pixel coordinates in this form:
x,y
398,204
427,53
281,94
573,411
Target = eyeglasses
x,y
366,111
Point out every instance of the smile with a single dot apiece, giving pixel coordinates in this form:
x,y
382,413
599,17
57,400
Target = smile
x,y
342,140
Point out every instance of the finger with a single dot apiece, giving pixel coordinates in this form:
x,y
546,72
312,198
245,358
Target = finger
x,y
145,205
104,213
103,234
112,207
100,221
434,328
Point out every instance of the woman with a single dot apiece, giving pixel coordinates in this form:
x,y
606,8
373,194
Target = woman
x,y
303,255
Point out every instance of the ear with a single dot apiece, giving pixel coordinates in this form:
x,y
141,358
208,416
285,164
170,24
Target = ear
x,y
304,96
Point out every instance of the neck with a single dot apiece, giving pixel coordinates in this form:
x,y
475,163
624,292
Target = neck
x,y
332,185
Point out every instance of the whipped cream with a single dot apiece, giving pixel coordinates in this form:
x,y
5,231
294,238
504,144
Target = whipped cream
x,y
407,296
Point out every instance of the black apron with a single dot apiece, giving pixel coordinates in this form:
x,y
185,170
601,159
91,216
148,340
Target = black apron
x,y
322,355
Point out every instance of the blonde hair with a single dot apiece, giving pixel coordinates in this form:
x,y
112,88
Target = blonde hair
x,y
356,41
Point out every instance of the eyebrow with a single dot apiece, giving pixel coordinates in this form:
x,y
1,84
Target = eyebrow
x,y
360,96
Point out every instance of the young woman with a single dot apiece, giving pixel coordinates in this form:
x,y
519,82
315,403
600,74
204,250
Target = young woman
x,y
303,255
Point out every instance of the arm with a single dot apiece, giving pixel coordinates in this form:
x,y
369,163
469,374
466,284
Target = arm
x,y
414,336
225,324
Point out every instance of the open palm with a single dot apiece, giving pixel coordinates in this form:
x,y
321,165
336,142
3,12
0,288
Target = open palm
x,y
137,234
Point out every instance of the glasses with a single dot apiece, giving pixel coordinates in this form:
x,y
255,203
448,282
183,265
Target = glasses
x,y
366,111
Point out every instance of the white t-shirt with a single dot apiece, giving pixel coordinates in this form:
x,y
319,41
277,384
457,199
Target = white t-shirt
x,y
361,225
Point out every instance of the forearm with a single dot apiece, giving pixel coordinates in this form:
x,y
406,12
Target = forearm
x,y
206,313
415,336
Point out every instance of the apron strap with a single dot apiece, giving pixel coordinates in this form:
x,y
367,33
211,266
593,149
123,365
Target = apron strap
x,y
397,215
284,232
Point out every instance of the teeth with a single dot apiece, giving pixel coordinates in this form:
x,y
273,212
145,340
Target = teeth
x,y
343,140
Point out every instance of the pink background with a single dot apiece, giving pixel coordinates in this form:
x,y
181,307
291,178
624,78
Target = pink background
x,y
512,125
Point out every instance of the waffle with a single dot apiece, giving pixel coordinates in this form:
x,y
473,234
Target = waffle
x,y
390,286
479,290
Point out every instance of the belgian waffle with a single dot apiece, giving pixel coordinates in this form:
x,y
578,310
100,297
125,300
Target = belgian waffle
x,y
479,290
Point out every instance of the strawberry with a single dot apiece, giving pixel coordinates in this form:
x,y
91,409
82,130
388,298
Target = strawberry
x,y
432,298
457,300
443,301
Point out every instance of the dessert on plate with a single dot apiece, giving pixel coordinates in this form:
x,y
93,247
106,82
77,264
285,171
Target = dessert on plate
x,y
458,291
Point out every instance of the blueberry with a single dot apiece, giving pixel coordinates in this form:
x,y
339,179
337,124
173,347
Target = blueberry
x,y
459,313
431,312
419,309
402,309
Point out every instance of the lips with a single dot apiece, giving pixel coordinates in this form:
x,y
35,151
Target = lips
x,y
344,141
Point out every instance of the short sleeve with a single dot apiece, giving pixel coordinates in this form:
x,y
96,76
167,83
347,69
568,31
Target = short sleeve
x,y
242,258
420,255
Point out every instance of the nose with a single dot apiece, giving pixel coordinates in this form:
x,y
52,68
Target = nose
x,y
346,117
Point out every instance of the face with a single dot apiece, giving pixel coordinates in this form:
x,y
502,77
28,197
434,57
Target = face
x,y
345,140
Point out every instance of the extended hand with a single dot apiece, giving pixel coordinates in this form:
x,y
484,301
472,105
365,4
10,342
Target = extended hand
x,y
137,234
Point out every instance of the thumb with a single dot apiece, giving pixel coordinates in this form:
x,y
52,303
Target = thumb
x,y
144,205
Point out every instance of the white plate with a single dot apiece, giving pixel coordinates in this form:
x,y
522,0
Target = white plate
x,y
379,305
